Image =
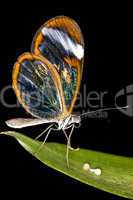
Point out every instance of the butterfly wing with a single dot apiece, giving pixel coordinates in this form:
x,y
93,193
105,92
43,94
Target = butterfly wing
x,y
60,41
35,86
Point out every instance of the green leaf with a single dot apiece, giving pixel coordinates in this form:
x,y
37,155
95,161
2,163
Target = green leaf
x,y
117,171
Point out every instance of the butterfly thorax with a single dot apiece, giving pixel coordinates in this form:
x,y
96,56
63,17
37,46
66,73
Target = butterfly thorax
x,y
68,121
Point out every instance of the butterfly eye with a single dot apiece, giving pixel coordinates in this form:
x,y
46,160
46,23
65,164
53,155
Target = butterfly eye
x,y
77,125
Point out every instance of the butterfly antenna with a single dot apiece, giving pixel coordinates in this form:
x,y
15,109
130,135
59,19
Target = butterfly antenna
x,y
103,109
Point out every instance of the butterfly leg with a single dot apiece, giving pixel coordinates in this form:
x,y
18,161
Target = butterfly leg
x,y
69,145
49,129
69,137
41,134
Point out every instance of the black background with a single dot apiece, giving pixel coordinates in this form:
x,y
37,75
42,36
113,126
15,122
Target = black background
x,y
107,34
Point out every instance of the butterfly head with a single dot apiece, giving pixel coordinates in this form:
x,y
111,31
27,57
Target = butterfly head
x,y
67,122
75,119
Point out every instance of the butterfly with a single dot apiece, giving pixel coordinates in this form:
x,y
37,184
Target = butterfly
x,y
46,80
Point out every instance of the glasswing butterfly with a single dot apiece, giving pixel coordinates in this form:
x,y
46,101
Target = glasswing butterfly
x,y
47,80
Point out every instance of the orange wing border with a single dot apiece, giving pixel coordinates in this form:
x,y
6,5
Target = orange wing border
x,y
38,38
55,76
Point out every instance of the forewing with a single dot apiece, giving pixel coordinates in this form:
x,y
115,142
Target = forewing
x,y
60,40
35,87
